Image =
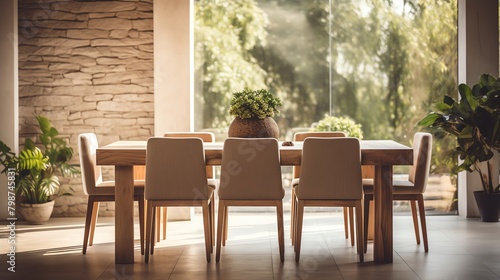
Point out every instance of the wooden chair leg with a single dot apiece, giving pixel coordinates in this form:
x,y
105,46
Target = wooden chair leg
x,y
346,221
164,223
145,218
153,240
158,221
281,229
226,224
88,222
295,210
415,219
351,224
292,216
220,228
423,223
292,207
165,214
206,229
149,230
366,210
141,222
298,231
359,228
95,214
212,217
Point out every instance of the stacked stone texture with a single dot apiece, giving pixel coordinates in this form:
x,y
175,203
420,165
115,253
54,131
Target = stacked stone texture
x,y
88,67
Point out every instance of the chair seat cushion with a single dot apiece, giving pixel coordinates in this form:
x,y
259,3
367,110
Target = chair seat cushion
x,y
210,193
399,187
108,188
296,181
211,184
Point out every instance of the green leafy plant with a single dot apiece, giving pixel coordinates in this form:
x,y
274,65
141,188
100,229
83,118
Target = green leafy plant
x,y
37,168
249,103
475,123
347,125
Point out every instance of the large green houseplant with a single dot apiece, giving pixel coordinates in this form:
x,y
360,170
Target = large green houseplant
x,y
253,111
37,168
474,121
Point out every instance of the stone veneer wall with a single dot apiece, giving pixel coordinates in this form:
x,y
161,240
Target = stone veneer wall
x,y
88,67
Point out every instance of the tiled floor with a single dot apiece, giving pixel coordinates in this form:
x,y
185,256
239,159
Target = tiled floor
x,y
459,249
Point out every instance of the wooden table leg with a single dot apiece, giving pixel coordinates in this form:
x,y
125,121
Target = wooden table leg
x,y
371,222
383,246
124,215
368,172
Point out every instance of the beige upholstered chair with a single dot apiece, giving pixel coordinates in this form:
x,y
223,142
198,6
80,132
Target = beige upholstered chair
x,y
250,176
162,215
98,190
330,176
348,211
176,176
411,189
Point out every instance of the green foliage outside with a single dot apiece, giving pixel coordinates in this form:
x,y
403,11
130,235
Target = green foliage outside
x,y
249,104
37,169
225,33
381,63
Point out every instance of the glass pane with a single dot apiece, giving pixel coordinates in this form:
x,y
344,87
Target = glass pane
x,y
380,63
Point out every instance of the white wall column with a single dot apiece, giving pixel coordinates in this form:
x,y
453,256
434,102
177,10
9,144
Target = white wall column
x,y
173,73
173,64
478,48
8,88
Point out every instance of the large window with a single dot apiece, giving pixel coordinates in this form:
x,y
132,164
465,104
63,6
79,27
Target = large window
x,y
381,63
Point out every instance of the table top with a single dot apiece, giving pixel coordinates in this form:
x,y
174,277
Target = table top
x,y
373,152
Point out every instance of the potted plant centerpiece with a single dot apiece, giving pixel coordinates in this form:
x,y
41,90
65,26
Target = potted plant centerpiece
x,y
333,123
36,170
475,123
253,111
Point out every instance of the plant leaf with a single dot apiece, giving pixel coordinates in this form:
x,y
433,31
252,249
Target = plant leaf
x,y
430,119
44,124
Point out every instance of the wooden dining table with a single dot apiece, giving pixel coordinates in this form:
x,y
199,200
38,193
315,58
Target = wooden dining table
x,y
383,154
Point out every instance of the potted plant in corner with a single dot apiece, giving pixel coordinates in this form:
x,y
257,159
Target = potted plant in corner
x,y
36,170
475,123
253,111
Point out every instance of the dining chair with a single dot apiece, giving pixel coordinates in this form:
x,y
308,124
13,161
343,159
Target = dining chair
x,y
161,212
176,176
411,190
98,190
330,177
347,211
250,176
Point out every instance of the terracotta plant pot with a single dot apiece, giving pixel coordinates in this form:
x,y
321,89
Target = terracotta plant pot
x,y
488,206
254,128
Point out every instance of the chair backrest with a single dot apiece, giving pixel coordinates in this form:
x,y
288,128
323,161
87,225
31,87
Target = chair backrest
x,y
205,136
251,169
175,169
331,169
91,173
301,136
422,152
